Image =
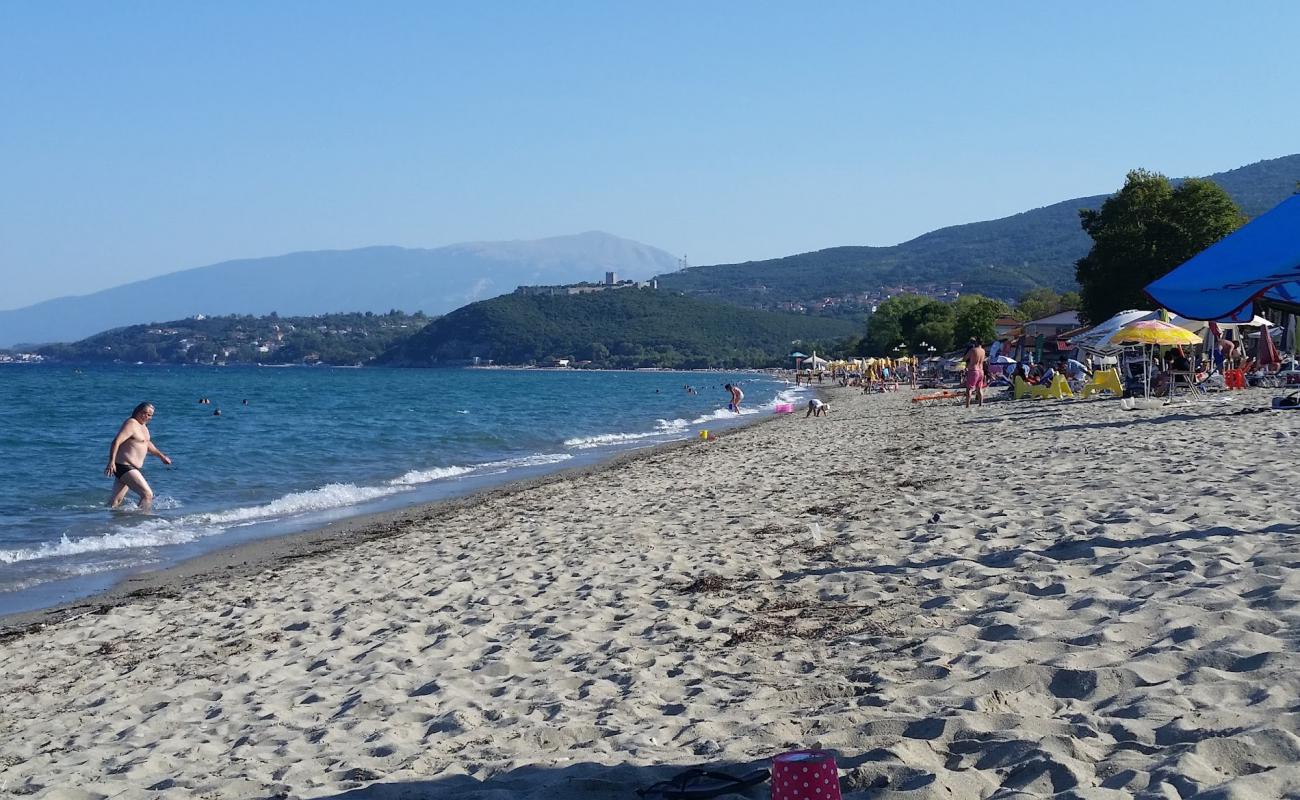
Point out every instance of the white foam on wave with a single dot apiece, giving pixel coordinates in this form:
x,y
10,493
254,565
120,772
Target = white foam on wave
x,y
723,413
145,535
417,476
607,439
332,495
671,425
535,460
789,395
182,530
158,532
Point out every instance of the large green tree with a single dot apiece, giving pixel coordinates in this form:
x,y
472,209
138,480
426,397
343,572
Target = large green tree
x,y
976,317
907,320
1142,232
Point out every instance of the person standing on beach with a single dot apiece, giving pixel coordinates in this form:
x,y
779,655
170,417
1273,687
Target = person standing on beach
x,y
975,372
736,397
126,456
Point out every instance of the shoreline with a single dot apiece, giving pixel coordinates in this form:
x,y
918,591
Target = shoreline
x,y
303,506
259,555
1038,599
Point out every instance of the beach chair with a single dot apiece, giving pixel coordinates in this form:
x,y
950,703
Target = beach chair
x,y
1104,380
1059,389
1019,388
1234,379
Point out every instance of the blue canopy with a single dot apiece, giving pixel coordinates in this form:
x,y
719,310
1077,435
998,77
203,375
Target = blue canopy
x,y
1261,260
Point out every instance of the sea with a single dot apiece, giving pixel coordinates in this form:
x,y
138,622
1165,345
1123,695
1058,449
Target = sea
x,y
296,448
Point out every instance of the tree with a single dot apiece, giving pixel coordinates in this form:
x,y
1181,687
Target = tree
x,y
1142,232
1038,303
976,317
908,320
1071,301
885,328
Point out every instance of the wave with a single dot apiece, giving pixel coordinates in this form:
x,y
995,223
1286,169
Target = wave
x,y
417,476
182,530
332,495
606,439
121,540
535,460
669,427
788,396
153,532
724,413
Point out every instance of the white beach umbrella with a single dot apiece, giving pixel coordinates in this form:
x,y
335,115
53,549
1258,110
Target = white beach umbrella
x,y
1097,338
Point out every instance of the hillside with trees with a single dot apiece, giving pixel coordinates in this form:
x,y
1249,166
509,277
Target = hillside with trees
x,y
1002,258
626,328
338,339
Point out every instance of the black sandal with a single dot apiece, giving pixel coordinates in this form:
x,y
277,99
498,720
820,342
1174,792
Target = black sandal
x,y
702,784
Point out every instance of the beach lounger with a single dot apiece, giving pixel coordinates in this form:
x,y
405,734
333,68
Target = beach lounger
x,y
1019,388
944,395
1104,380
1059,389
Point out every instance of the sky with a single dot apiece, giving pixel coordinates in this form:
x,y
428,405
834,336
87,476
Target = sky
x,y
141,138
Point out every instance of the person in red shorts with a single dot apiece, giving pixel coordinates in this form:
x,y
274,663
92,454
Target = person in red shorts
x,y
975,362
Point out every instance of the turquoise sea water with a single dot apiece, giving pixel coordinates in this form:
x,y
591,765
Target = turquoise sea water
x,y
310,446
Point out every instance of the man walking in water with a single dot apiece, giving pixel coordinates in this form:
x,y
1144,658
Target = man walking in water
x,y
126,456
975,372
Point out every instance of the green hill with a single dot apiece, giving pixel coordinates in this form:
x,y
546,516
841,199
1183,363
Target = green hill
x,y
623,328
344,339
999,258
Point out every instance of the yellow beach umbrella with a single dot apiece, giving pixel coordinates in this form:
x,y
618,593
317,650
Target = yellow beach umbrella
x,y
1153,331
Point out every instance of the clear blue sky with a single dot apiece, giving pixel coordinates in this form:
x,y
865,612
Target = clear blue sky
x,y
142,138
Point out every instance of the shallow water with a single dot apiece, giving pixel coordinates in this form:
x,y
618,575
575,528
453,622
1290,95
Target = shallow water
x,y
308,446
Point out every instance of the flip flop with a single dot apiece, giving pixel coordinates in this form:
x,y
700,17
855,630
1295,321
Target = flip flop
x,y
702,784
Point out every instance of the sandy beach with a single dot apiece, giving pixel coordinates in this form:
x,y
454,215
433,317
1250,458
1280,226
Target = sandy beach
x,y
1032,599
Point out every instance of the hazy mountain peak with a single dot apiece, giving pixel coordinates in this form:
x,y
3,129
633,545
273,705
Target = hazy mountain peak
x,y
376,278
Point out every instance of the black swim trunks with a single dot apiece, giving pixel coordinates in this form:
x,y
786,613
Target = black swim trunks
x,y
121,469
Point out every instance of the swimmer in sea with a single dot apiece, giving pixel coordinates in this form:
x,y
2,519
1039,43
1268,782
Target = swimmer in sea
x,y
126,456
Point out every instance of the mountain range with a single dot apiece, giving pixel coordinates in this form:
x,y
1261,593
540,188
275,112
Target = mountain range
x,y
368,279
999,258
